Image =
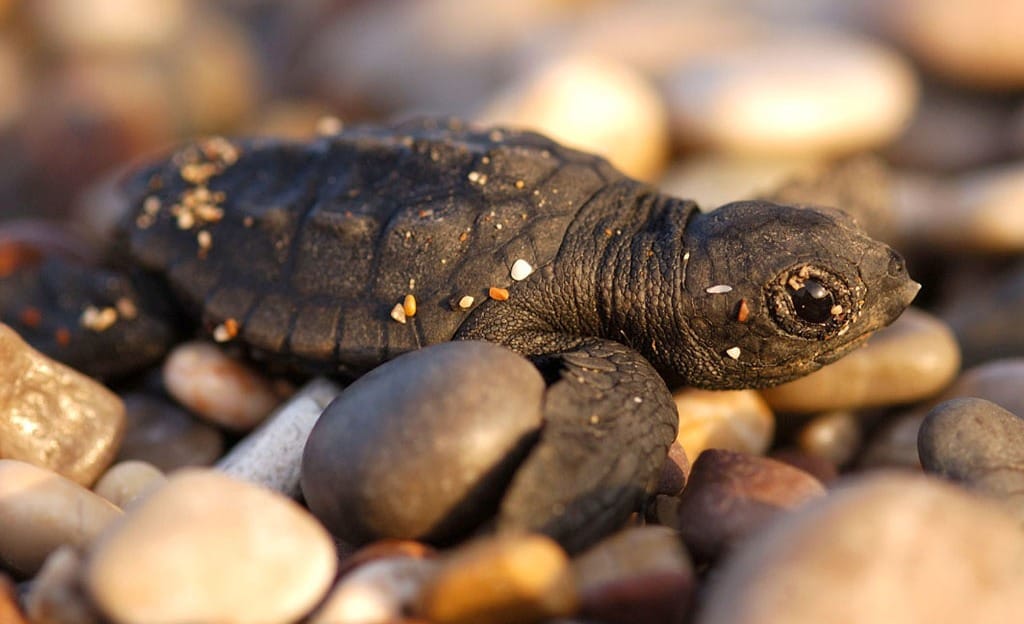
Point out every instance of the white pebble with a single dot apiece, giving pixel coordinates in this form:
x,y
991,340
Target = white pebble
x,y
718,289
376,592
466,302
733,352
521,269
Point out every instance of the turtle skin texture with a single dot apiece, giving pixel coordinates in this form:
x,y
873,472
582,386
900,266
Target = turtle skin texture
x,y
300,253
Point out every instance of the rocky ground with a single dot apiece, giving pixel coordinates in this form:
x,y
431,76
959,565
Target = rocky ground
x,y
883,488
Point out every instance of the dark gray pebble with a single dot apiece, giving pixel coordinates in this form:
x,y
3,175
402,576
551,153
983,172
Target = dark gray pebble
x,y
979,444
423,446
167,436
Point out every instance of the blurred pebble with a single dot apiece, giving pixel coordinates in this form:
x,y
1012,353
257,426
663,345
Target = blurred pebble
x,y
812,92
986,318
731,496
592,104
54,416
637,576
207,548
290,119
510,578
378,592
912,359
978,43
894,444
124,482
84,26
271,455
10,611
421,446
384,549
818,467
14,95
977,443
834,436
739,420
221,389
887,548
56,595
674,472
166,436
716,179
41,511
998,381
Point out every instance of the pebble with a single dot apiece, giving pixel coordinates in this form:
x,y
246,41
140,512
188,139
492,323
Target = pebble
x,y
834,436
56,595
818,467
731,496
806,93
504,579
637,576
713,180
125,481
108,25
271,455
894,444
166,436
53,416
985,319
208,548
593,104
420,447
998,381
738,420
912,359
10,611
222,390
674,472
977,443
12,75
883,548
42,511
378,592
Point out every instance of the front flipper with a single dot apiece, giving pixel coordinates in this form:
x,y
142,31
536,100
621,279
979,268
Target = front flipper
x,y
608,422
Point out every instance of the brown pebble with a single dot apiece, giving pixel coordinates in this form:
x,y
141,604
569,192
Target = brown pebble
x,y
56,595
124,482
673,473
380,591
814,465
734,419
498,294
10,612
833,436
894,444
166,436
384,549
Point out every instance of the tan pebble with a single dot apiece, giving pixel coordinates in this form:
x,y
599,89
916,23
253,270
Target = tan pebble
x,y
10,611
378,592
984,212
13,77
833,436
739,420
814,92
53,416
223,390
716,179
888,548
501,579
207,548
56,595
127,480
912,359
818,467
42,511
637,576
108,25
594,104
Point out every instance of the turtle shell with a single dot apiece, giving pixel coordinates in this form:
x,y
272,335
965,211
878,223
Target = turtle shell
x,y
301,251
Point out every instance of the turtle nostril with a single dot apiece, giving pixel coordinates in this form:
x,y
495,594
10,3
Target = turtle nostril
x,y
897,265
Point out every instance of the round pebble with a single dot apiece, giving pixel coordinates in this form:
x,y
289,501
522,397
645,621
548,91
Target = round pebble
x,y
520,578
223,390
207,548
421,447
912,359
593,104
10,611
674,472
793,93
883,548
731,496
833,436
166,436
378,592
894,444
54,416
739,420
42,511
998,381
977,443
14,96
56,595
124,482
108,25
713,180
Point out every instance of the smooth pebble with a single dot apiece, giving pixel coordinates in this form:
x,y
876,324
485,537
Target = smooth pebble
x,y
999,381
912,359
883,548
54,416
377,592
125,481
738,420
674,472
894,444
10,611
985,319
107,25
13,76
56,595
421,447
42,511
208,548
163,434
222,390
834,436
716,179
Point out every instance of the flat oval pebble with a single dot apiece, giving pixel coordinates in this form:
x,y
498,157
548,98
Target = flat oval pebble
x,y
977,443
640,575
912,359
883,548
208,548
99,25
166,436
716,179
730,496
42,511
512,578
793,93
222,390
738,420
56,595
54,416
378,592
834,436
998,381
422,446
127,480
593,104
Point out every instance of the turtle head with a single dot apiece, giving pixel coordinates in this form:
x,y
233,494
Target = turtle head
x,y
770,293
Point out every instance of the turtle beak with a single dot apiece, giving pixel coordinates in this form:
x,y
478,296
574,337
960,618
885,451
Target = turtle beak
x,y
899,288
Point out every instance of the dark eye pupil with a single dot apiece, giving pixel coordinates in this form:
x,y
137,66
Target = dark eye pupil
x,y
813,302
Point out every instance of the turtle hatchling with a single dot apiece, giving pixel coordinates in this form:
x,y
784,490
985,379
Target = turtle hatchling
x,y
335,255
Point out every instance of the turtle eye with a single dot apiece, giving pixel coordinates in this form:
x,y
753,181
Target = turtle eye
x,y
812,301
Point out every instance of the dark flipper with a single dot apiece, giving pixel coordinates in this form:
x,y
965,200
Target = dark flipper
x,y
609,420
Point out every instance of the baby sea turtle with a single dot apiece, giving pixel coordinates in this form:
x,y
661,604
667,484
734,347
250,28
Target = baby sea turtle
x,y
336,255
